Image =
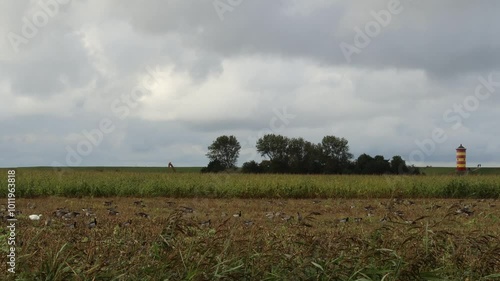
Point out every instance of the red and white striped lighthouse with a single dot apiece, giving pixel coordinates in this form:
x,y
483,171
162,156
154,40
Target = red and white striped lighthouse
x,y
461,166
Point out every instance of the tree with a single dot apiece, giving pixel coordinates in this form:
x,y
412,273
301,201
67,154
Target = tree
x,y
265,166
363,164
275,147
312,158
380,165
296,152
336,154
226,150
372,165
398,165
251,167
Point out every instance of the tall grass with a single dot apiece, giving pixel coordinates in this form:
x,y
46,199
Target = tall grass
x,y
77,183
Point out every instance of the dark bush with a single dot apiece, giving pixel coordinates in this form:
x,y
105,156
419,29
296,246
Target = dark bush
x,y
251,167
213,167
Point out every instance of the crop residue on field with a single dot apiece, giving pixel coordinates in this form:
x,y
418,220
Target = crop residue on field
x,y
258,238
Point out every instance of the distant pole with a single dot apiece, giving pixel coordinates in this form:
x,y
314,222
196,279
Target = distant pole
x,y
171,166
461,160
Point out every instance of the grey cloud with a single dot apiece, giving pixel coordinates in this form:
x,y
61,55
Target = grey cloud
x,y
455,37
226,77
55,66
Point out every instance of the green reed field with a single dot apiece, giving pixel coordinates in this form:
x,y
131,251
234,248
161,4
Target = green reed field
x,y
104,182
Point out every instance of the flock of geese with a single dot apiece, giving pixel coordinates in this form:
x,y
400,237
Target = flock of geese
x,y
68,217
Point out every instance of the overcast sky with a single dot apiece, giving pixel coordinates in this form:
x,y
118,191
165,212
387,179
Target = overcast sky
x,y
142,83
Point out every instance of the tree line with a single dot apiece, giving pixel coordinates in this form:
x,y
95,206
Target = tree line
x,y
298,156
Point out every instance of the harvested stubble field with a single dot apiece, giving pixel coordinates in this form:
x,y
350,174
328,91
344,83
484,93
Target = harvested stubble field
x,y
396,235
394,239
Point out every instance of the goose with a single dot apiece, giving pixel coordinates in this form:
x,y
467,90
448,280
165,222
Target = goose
x,y
89,212
310,217
344,220
48,222
409,202
139,203
248,223
125,224
112,212
465,210
299,217
369,208
72,225
270,215
35,217
398,213
92,224
285,217
205,223
59,212
144,215
67,216
237,215
70,215
186,209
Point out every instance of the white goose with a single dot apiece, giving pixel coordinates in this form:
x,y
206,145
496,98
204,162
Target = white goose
x,y
35,217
